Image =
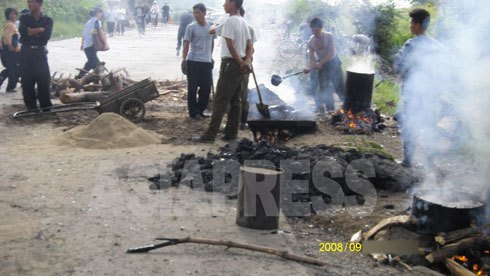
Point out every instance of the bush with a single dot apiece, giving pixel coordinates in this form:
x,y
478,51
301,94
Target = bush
x,y
386,97
69,16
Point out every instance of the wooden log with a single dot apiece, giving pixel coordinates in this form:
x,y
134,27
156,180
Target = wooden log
x,y
83,97
282,253
404,219
446,238
457,269
453,249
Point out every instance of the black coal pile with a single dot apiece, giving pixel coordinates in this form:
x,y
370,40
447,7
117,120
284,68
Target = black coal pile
x,y
334,163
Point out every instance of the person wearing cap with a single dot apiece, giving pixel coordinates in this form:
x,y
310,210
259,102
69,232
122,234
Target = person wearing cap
x,y
35,31
10,50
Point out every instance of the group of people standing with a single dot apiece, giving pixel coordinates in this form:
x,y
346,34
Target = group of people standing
x,y
116,21
236,64
24,54
25,47
236,56
145,14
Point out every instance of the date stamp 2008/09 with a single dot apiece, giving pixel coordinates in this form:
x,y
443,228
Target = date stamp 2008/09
x,y
334,247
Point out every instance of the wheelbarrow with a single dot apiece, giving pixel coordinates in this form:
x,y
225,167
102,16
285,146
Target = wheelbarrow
x,y
129,103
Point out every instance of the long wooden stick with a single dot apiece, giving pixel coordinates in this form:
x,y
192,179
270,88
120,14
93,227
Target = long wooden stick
x,y
446,238
282,253
404,219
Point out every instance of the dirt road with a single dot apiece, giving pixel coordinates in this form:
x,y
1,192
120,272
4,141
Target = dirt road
x,y
73,211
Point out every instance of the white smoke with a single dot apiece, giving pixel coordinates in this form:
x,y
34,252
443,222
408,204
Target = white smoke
x,y
449,100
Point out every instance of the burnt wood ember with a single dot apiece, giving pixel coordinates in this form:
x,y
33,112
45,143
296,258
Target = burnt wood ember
x,y
363,122
199,170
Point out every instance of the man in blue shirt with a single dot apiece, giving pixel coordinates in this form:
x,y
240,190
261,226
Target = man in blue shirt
x,y
414,63
197,63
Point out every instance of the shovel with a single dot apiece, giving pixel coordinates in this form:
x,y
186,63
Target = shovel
x,y
276,80
261,107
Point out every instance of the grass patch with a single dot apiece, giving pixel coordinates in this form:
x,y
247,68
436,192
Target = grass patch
x,y
386,97
64,30
364,146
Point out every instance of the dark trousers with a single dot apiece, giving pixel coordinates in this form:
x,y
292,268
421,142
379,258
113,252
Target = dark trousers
x,y
244,99
331,72
92,60
180,37
10,61
227,93
110,27
120,26
199,81
35,72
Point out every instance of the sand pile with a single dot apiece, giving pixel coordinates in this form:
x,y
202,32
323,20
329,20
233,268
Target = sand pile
x,y
108,131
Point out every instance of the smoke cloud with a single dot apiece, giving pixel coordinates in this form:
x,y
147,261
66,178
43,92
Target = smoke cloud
x,y
447,101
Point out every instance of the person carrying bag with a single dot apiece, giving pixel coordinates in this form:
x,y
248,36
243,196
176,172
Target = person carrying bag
x,y
93,40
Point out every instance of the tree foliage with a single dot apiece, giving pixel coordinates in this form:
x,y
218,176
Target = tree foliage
x,y
385,25
69,15
300,10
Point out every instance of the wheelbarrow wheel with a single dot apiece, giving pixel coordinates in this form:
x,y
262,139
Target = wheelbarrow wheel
x,y
133,109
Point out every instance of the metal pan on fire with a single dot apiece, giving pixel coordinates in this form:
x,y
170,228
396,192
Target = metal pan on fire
x,y
446,211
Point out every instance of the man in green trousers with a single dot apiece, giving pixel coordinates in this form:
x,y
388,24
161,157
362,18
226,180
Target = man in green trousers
x,y
236,56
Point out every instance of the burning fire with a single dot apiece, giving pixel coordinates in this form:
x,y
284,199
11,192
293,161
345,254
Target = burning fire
x,y
475,268
355,123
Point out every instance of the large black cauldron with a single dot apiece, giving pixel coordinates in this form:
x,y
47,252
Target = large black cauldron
x,y
359,91
451,211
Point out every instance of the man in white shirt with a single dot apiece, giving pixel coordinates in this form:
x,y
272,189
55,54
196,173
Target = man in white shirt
x,y
197,63
244,94
236,56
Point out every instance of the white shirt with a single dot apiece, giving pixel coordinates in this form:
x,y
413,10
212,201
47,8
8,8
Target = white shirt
x,y
236,29
250,28
89,31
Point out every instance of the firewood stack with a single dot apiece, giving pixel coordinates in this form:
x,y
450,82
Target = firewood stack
x,y
461,252
96,84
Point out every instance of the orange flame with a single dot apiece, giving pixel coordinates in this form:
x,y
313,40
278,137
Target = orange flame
x,y
463,259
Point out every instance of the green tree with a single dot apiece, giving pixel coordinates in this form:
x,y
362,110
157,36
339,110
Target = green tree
x,y
69,16
299,10
385,25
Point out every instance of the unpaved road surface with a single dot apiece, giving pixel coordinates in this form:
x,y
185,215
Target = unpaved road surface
x,y
74,211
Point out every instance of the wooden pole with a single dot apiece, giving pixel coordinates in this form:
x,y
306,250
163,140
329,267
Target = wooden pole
x,y
281,253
